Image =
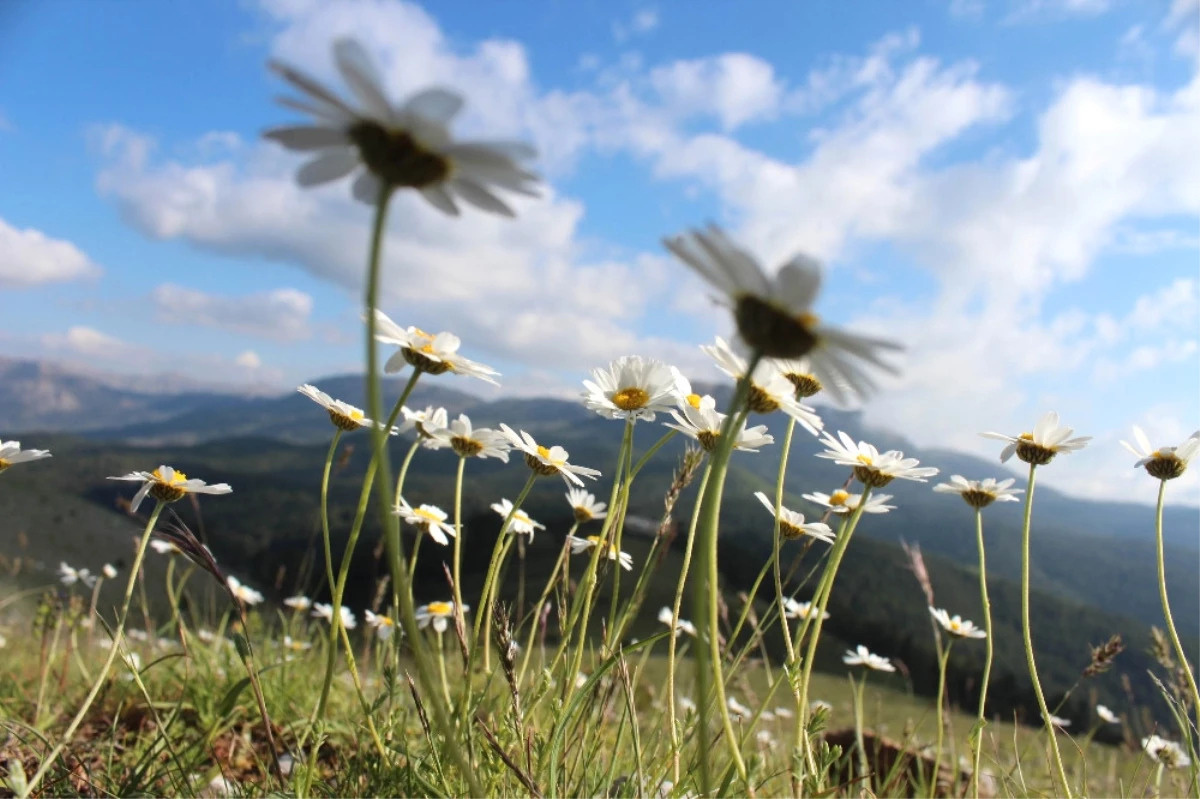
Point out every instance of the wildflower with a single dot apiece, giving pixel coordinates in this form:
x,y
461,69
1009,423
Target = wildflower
x,y
871,467
783,713
141,636
800,610
980,493
344,416
737,709
426,423
167,485
1164,463
298,603
296,645
819,705
774,315
12,454
384,626
409,146
799,373
1039,447
206,635
109,571
521,524
955,625
1059,722
427,352
632,387
428,519
547,461
323,611
862,657
584,544
1169,753
765,739
244,593
164,547
69,576
585,506
467,441
842,501
1107,715
770,391
580,680
665,615
438,614
698,418
792,526
685,704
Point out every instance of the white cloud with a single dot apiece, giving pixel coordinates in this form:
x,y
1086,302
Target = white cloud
x,y
1184,18
29,258
736,87
92,343
248,360
279,314
1038,10
642,22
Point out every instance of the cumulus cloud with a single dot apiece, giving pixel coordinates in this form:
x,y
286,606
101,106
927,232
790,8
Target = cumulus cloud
x,y
29,257
736,87
642,22
279,314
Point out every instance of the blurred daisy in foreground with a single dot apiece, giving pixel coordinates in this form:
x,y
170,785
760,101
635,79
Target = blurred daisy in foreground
x,y
244,593
1059,722
1163,463
955,625
585,506
299,603
579,545
737,709
406,146
547,460
109,571
980,493
1106,715
167,485
437,614
69,576
1169,753
842,501
872,467
684,626
296,645
164,547
383,625
800,610
1039,447
792,525
863,657
521,524
11,454
324,611
631,387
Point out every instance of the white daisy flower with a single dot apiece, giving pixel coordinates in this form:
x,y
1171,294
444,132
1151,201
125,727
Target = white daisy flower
x,y
872,467
12,454
383,626
774,314
698,418
466,441
770,391
343,415
426,423
296,645
1169,753
243,592
632,387
1059,722
665,615
764,738
521,524
109,571
800,610
205,635
955,625
737,710
792,525
1039,447
167,485
324,611
783,713
685,704
298,603
584,544
408,146
428,519
980,493
1106,715
434,354
585,506
818,705
141,636
164,547
863,657
1164,463
799,373
547,461
438,614
67,575
842,501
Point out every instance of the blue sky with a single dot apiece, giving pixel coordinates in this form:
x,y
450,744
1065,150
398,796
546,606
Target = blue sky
x,y
1009,187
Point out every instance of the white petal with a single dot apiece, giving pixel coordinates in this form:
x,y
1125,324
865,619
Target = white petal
x,y
1142,441
361,76
311,87
799,281
440,105
328,166
440,199
366,188
478,196
307,137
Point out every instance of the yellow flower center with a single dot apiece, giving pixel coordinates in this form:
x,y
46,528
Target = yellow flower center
x,y
865,460
839,497
630,399
1026,436
441,608
955,626
386,621
523,517
177,477
593,539
809,319
694,400
545,453
427,514
4,464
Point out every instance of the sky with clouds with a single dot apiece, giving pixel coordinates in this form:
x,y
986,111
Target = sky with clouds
x,y
1008,187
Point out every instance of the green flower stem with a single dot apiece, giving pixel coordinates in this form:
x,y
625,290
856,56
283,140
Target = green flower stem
x,y
613,629
675,606
650,452
408,456
779,479
483,618
860,687
412,562
537,609
1166,605
941,721
401,589
441,657
1025,627
987,662
102,677
325,472
459,619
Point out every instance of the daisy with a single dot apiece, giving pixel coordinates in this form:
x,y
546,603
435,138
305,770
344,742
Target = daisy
x,y
1164,463
1058,722
632,387
1107,715
819,705
799,373
428,519
698,418
1039,447
1169,753
980,493
842,501
343,415
244,593
164,547
426,422
109,571
167,485
770,391
323,611
382,625
585,506
299,603
792,526
871,467
438,614
665,615
956,626
408,146
68,575
737,709
295,645
466,441
764,738
783,713
863,657
427,352
584,544
547,461
685,704
800,610
774,315
12,454
520,524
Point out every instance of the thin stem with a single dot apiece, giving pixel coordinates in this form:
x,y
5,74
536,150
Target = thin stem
x,y
458,602
783,461
1166,605
987,662
859,738
483,619
941,726
328,468
537,609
